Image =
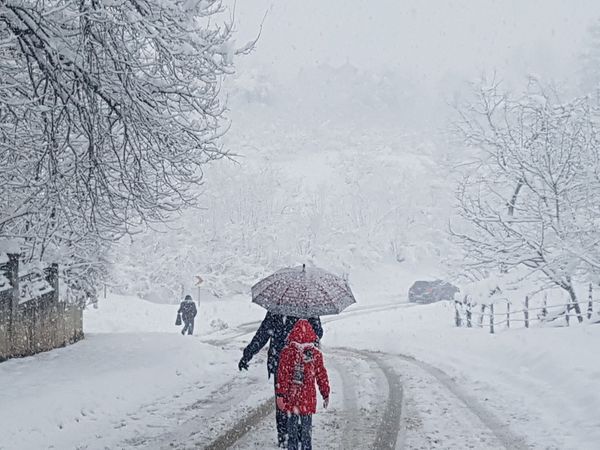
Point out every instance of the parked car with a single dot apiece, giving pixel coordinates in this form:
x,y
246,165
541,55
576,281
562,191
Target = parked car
x,y
431,291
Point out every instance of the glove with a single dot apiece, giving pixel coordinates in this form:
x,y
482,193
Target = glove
x,y
325,402
280,403
243,364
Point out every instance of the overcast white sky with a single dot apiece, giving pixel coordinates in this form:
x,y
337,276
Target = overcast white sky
x,y
427,39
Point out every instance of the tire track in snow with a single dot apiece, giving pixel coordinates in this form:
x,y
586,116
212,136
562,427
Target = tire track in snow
x,y
389,433
389,430
363,427
350,402
500,430
250,327
234,434
204,416
386,436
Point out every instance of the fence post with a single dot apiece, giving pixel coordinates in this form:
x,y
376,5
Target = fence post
x,y
13,277
55,318
469,313
469,316
457,319
52,278
491,318
507,314
545,307
590,303
481,316
526,311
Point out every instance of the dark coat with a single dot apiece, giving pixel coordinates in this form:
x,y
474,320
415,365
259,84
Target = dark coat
x,y
188,310
276,328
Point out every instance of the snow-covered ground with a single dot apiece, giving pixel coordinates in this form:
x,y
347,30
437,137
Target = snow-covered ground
x,y
542,383
122,314
132,375
337,163
134,382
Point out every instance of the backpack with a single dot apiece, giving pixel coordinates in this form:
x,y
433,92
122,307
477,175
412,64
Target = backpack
x,y
306,356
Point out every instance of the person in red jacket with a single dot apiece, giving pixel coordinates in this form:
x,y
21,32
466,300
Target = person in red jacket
x,y
300,366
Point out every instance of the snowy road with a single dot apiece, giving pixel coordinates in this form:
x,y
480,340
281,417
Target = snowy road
x,y
402,377
472,424
365,414
385,402
248,328
216,415
379,401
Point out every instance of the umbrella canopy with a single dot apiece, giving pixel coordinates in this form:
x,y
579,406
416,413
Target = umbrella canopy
x,y
303,292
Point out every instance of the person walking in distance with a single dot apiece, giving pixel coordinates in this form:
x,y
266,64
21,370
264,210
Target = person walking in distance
x,y
188,311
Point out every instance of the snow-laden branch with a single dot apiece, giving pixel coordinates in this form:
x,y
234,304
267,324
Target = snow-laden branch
x,y
533,198
108,113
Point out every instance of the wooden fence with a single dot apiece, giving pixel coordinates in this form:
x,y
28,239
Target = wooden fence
x,y
469,314
33,318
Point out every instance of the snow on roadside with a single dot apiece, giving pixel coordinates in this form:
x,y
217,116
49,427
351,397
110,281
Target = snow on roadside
x,y
134,380
543,382
118,314
82,395
130,376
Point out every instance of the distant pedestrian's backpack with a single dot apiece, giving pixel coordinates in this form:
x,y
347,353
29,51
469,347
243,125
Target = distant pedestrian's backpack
x,y
178,320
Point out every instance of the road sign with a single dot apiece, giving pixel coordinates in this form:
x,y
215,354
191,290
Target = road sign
x,y
199,280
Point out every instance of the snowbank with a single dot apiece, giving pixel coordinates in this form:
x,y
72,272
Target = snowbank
x,y
77,397
542,381
101,392
132,365
127,314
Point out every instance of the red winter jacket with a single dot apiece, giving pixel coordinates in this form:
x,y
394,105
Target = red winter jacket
x,y
300,366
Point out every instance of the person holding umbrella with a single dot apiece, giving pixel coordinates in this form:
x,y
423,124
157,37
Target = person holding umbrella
x,y
290,294
275,328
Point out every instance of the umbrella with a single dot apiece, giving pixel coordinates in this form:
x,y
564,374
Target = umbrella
x,y
303,292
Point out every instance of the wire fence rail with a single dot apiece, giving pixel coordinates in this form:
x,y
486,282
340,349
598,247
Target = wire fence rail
x,y
469,314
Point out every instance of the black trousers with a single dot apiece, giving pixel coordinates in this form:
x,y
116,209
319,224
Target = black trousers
x,y
188,326
300,432
281,418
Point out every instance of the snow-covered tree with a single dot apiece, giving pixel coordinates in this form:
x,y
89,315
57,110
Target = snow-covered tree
x,y
108,112
530,197
377,196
